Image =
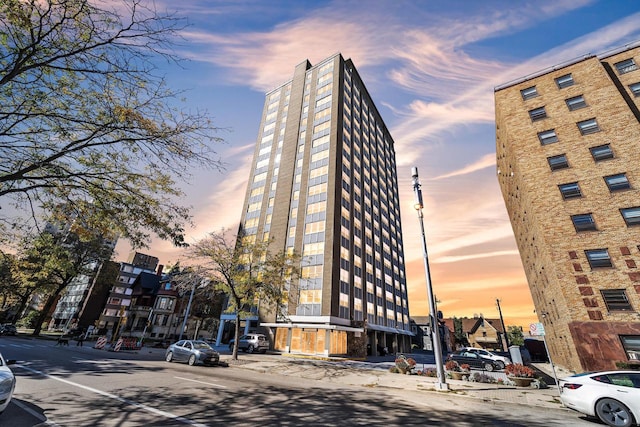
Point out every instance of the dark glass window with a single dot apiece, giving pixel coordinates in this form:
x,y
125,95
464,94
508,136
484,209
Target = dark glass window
x,y
635,89
616,299
576,103
547,137
588,126
617,182
558,162
598,258
583,222
564,81
570,190
631,215
537,114
528,93
601,152
626,66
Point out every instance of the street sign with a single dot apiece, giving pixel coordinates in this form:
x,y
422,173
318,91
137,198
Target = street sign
x,y
536,329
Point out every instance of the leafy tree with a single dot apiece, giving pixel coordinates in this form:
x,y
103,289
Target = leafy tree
x,y
458,333
8,282
56,258
86,117
516,337
247,271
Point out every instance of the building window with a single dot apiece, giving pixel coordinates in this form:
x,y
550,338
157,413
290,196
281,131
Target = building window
x,y
635,89
537,114
558,162
583,222
598,258
631,344
528,93
601,152
631,215
576,103
617,182
564,81
626,66
616,299
570,191
548,137
588,126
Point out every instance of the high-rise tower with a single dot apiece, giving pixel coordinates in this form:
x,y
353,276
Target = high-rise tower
x,y
323,183
569,168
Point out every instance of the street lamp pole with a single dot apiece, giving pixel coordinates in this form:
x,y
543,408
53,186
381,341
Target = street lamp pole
x,y
441,384
186,314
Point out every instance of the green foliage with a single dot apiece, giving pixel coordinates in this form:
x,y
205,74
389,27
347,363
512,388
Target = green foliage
x,y
515,335
88,120
249,273
30,320
458,333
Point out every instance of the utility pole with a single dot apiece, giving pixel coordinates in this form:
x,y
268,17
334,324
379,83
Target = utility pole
x,y
506,335
441,384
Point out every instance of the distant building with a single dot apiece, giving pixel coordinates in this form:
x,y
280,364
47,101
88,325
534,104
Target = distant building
x,y
569,169
423,337
152,313
324,183
118,301
72,303
480,332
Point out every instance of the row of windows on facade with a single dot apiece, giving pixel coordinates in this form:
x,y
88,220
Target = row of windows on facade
x,y
567,80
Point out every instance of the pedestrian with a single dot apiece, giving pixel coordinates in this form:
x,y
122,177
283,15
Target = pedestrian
x,y
79,340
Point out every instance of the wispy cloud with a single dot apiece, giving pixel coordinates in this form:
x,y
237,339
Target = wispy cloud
x,y
486,161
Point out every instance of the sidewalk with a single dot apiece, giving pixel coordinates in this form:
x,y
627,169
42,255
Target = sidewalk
x,y
366,374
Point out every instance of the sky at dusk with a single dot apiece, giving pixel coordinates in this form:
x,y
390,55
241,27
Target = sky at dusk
x,y
430,68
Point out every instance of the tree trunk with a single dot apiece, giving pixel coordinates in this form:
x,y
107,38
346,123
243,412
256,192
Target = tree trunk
x,y
237,336
47,307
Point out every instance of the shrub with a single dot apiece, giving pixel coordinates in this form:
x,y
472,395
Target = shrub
x,y
430,373
519,370
465,367
482,378
452,365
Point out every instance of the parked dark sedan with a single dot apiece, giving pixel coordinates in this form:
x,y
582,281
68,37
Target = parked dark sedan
x,y
474,360
8,329
192,352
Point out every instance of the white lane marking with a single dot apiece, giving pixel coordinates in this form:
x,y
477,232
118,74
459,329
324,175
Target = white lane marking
x,y
118,398
35,414
201,382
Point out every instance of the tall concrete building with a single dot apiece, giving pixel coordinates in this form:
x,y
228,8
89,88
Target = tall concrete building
x,y
323,183
568,163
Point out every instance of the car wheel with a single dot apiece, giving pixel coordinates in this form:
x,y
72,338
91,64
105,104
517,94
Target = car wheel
x,y
250,349
169,357
488,367
614,413
230,347
500,364
192,360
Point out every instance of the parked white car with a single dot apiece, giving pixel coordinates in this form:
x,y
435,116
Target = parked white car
x,y
7,383
612,396
502,361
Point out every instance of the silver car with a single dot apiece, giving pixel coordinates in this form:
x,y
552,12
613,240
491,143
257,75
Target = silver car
x,y
192,352
7,383
251,343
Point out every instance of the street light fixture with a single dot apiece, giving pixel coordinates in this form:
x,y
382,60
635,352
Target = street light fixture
x,y
441,384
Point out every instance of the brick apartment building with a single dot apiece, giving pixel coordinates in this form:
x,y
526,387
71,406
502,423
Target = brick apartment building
x,y
324,183
568,164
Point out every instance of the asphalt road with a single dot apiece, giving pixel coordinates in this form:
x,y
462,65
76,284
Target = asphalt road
x,y
69,386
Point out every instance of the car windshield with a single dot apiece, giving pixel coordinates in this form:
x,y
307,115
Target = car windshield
x,y
201,345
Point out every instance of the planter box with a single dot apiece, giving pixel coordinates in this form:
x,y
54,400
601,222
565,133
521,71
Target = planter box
x,y
522,382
